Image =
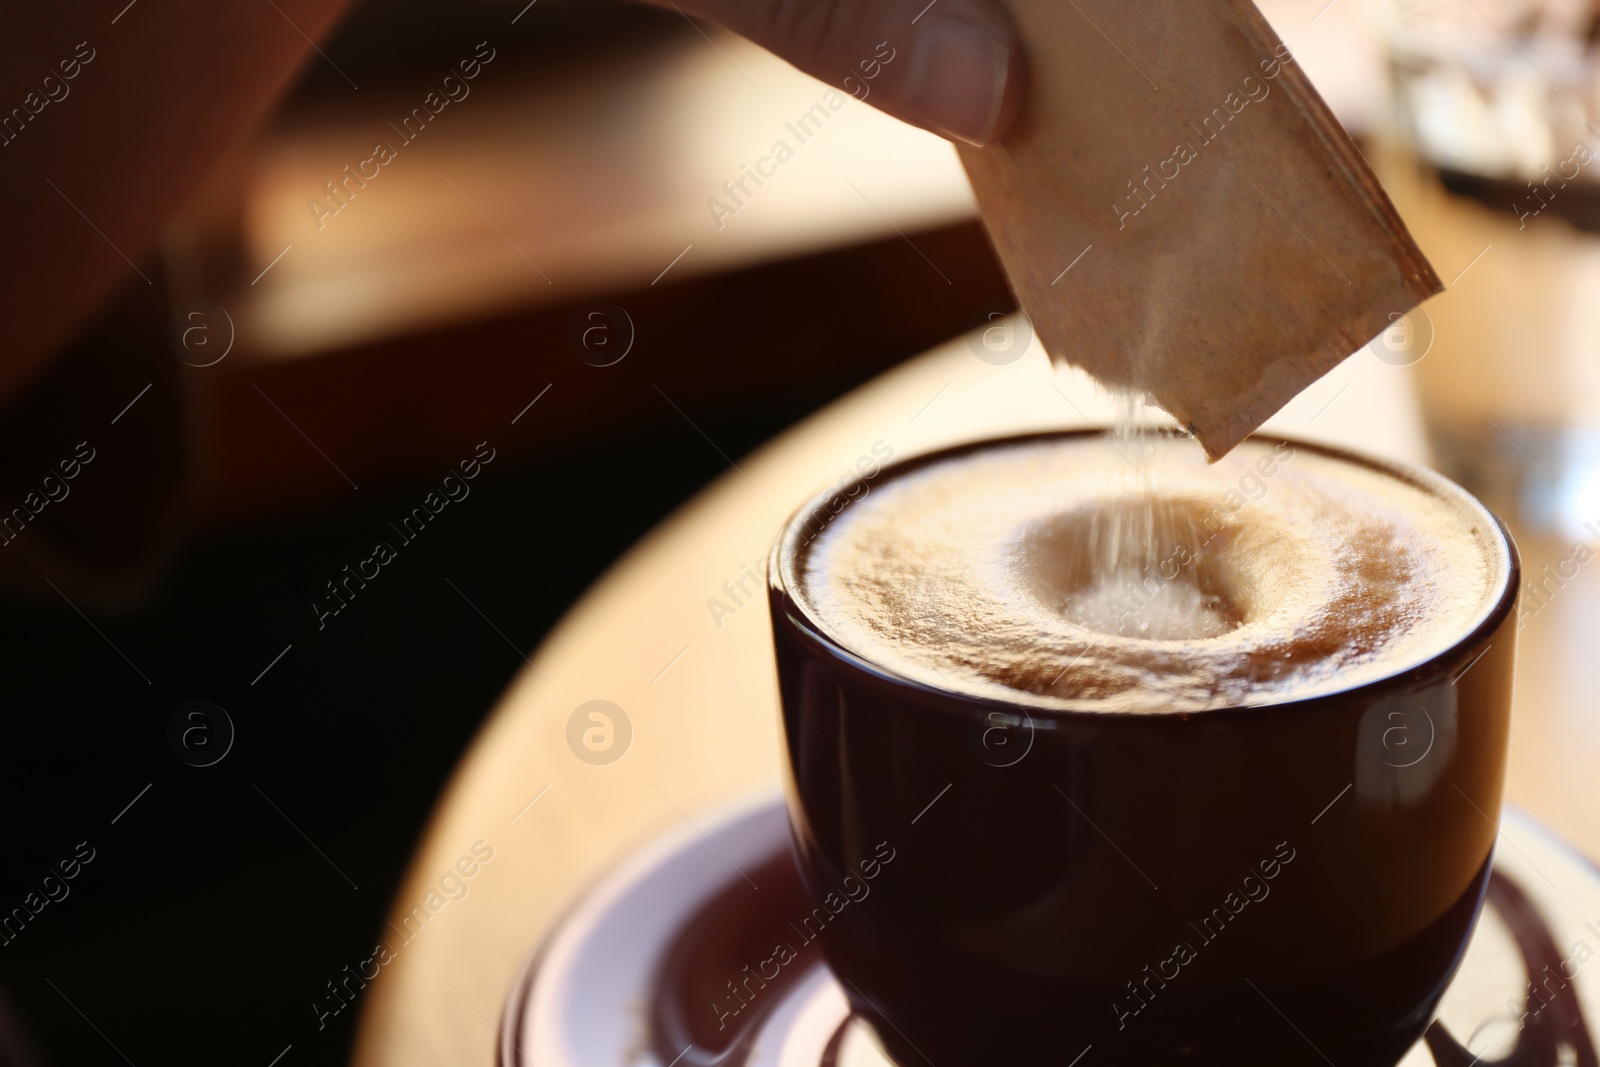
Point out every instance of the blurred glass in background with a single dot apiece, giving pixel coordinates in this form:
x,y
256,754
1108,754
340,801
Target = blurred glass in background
x,y
1490,146
1495,105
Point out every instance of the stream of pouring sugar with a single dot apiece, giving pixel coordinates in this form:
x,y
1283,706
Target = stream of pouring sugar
x,y
1142,559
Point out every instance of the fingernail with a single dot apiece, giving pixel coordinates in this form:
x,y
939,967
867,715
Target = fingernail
x,y
957,79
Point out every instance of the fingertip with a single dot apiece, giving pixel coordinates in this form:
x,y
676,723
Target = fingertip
x,y
1014,93
964,80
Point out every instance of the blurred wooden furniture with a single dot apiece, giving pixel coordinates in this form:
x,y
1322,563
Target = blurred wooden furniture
x,y
588,176
434,304
698,688
594,176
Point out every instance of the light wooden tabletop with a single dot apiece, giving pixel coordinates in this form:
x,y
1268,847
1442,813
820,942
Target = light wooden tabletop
x,y
697,687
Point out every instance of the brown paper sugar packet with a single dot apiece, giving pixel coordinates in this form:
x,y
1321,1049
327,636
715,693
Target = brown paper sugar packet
x,y
1180,214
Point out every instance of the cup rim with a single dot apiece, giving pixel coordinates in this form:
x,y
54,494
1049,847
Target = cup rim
x,y
780,581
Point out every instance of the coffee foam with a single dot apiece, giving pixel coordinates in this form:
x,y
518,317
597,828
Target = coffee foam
x,y
1279,573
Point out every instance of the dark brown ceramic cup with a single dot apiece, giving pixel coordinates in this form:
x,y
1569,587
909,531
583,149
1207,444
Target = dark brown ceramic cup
x,y
1291,883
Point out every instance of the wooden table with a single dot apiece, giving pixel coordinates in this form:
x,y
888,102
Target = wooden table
x,y
699,691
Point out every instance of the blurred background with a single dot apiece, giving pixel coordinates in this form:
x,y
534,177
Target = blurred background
x,y
536,278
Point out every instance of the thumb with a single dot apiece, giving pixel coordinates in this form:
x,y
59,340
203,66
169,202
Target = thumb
x,y
951,66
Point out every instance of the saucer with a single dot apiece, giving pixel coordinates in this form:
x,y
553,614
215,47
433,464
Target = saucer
x,y
647,965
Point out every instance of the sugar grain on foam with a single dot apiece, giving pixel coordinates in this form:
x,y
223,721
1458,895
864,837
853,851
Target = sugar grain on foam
x,y
1038,572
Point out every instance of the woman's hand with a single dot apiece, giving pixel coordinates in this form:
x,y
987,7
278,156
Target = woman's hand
x,y
951,66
